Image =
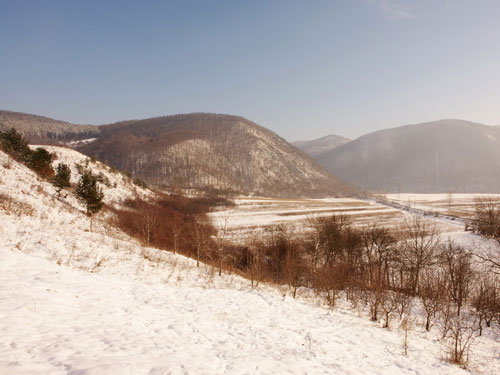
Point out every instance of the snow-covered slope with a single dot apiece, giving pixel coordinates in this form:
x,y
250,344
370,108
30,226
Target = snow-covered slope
x,y
79,302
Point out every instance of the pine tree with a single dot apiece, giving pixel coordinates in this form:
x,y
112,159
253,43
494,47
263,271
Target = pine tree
x,y
13,143
90,194
62,178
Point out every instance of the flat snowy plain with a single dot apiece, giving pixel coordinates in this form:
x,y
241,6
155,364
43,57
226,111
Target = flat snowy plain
x,y
252,216
80,303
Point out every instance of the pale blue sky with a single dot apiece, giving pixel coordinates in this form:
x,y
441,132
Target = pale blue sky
x,y
304,69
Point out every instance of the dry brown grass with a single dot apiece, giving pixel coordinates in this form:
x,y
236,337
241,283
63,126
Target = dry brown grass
x,y
14,207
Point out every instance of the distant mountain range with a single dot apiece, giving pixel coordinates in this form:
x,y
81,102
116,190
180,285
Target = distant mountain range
x,y
441,156
321,145
200,150
223,152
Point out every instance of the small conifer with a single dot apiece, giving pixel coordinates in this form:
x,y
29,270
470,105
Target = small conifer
x,y
61,180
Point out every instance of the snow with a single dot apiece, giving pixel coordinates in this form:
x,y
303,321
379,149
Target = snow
x,y
85,303
251,216
82,142
57,320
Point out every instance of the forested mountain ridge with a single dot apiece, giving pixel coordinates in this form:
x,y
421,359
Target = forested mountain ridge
x,y
203,150
43,129
198,150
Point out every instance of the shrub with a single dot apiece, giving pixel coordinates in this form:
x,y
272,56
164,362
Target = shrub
x,y
140,182
62,178
90,194
40,161
103,179
170,222
15,145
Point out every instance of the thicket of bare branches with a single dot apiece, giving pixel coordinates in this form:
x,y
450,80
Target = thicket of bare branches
x,y
387,271
486,222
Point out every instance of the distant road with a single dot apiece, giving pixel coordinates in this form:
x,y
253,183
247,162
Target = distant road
x,y
449,219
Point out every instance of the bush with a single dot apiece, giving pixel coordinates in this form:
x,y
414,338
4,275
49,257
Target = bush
x,y
15,145
140,182
103,179
170,222
61,180
40,161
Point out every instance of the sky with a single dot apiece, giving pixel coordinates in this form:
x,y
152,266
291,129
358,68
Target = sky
x,y
303,69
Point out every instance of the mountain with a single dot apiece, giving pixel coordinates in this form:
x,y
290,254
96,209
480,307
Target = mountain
x,y
440,156
44,129
199,150
318,146
211,151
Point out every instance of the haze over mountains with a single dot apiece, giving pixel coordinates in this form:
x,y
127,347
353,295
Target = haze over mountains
x,y
230,153
207,151
321,145
441,156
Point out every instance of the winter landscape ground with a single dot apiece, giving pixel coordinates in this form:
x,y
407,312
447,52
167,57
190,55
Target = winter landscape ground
x,y
251,216
79,302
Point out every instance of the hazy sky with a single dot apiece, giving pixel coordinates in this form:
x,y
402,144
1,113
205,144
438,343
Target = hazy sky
x,y
301,68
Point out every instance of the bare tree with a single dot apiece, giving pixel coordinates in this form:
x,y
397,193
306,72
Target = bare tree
x,y
146,221
458,336
431,295
222,227
378,246
200,237
487,224
458,272
389,304
486,300
419,250
176,230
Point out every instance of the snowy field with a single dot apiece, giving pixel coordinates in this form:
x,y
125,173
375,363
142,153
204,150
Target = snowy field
x,y
461,205
251,216
75,302
58,320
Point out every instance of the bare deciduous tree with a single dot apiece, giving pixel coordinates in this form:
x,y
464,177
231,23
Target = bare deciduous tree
x,y
419,251
458,336
146,220
458,272
431,295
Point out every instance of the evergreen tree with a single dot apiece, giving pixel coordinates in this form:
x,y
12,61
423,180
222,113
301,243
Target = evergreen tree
x,y
62,177
90,194
13,143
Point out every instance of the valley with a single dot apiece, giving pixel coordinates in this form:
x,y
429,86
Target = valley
x,y
254,187
106,291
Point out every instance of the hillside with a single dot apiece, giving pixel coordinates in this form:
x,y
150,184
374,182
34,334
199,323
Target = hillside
x,y
442,156
100,303
318,146
43,129
212,151
205,151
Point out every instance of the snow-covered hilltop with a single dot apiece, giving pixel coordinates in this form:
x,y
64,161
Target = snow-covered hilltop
x,y
79,302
